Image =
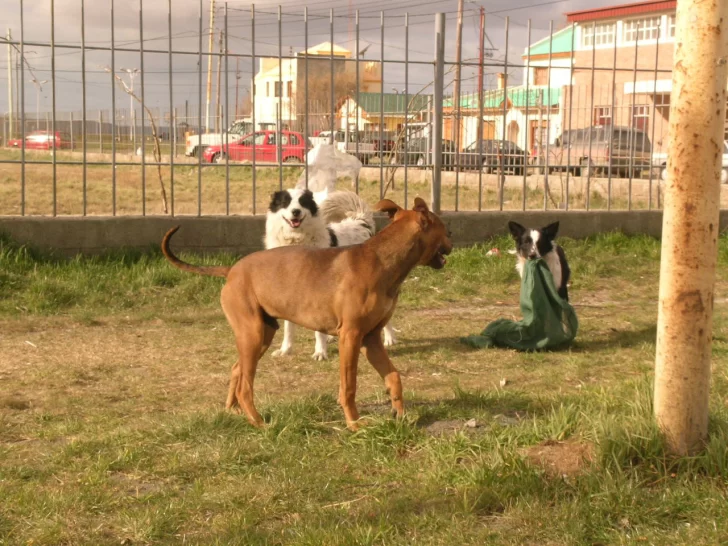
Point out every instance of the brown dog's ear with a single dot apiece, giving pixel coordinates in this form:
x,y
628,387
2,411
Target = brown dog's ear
x,y
388,206
420,205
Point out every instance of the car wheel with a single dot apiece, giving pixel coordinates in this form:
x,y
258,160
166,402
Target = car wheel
x,y
292,159
219,158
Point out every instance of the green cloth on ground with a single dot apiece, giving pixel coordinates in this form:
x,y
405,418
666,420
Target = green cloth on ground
x,y
548,320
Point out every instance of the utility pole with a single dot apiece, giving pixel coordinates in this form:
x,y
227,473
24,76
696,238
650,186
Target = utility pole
x,y
690,225
218,108
480,74
237,86
458,60
10,85
209,65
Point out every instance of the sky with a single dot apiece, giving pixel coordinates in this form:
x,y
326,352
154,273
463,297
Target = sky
x,y
185,22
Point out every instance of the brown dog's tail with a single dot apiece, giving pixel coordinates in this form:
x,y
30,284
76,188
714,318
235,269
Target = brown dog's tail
x,y
211,271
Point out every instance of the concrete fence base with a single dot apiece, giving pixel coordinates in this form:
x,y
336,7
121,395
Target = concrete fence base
x,y
68,236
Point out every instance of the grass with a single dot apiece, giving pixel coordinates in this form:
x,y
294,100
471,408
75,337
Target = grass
x,y
114,370
216,194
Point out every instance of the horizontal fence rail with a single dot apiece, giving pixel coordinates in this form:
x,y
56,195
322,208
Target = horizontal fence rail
x,y
213,116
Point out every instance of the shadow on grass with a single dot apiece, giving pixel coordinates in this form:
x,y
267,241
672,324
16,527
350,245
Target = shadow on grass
x,y
616,339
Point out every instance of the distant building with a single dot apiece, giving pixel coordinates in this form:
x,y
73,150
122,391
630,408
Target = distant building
x,y
373,109
284,84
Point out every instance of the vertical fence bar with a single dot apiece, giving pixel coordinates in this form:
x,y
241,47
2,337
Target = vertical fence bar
x,y
332,122
279,106
528,107
381,106
436,130
590,117
199,117
654,111
565,142
405,140
356,92
456,108
227,124
143,112
83,105
502,143
547,188
172,116
481,123
305,92
252,60
53,105
613,113
22,111
632,133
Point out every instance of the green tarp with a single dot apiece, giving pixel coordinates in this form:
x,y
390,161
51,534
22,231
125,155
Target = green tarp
x,y
548,320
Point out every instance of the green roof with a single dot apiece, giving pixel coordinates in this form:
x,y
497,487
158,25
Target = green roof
x,y
561,42
516,95
394,103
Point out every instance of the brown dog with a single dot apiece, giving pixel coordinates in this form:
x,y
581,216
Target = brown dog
x,y
350,292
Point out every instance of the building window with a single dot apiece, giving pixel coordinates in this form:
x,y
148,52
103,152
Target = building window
x,y
602,115
541,76
642,29
289,90
277,89
602,34
641,117
671,26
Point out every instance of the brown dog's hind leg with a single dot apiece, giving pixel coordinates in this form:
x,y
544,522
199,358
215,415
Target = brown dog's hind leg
x,y
377,356
349,347
232,402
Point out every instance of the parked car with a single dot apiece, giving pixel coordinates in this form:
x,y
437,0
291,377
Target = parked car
x,y
41,140
598,149
196,143
415,152
293,148
660,161
492,153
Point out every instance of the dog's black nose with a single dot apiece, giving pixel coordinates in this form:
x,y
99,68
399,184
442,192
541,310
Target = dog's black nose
x,y
296,213
532,256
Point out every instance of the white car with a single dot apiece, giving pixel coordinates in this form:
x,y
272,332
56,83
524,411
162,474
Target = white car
x,y
660,160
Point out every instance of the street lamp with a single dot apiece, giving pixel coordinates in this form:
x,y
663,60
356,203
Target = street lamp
x,y
132,72
38,90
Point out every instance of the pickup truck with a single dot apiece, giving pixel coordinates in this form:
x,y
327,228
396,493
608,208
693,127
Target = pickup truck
x,y
235,131
368,146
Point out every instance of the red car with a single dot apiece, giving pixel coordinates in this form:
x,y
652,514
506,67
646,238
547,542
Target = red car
x,y
41,140
293,148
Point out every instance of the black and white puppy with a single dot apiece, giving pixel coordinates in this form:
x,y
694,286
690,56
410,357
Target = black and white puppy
x,y
323,219
532,244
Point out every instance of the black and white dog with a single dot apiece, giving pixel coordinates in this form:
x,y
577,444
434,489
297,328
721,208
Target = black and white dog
x,y
539,243
323,219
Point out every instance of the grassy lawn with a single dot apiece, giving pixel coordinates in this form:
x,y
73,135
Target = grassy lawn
x,y
217,194
114,371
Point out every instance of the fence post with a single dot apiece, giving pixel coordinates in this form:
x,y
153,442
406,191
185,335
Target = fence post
x,y
437,121
70,117
690,225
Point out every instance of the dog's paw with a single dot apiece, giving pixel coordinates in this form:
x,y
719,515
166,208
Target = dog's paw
x,y
282,351
389,340
320,356
330,339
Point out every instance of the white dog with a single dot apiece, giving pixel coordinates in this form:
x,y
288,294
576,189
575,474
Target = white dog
x,y
300,217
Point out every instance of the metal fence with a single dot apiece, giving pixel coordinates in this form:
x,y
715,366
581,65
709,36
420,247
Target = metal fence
x,y
585,126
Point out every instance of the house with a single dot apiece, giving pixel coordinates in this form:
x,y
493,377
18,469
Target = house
x,y
374,109
281,85
623,58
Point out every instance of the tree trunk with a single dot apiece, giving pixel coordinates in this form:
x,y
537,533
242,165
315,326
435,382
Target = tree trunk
x,y
690,224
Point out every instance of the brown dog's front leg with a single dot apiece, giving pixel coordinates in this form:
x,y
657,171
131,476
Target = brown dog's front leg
x,y
349,347
377,356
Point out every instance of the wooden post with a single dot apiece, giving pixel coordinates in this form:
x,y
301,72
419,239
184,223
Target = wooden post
x,y
690,224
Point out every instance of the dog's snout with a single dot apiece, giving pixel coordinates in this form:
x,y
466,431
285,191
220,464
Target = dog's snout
x,y
296,213
532,256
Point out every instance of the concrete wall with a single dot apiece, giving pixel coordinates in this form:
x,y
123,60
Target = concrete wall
x,y
243,234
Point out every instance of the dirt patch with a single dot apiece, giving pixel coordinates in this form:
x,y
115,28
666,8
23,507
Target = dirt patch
x,y
559,459
14,402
